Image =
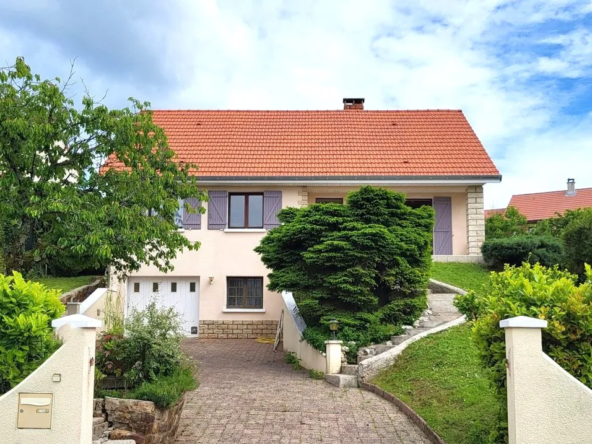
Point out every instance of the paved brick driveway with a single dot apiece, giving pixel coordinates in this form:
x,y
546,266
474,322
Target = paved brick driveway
x,y
249,395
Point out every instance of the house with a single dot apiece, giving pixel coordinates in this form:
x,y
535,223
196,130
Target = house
x,y
493,211
540,206
253,163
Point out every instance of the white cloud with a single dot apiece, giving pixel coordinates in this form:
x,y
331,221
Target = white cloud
x,y
307,54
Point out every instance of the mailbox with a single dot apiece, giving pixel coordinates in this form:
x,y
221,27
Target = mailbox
x,y
34,410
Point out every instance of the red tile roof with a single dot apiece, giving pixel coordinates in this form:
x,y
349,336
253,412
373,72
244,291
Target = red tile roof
x,y
325,143
539,206
489,213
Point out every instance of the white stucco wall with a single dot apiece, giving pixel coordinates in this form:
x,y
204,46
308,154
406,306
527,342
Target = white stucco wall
x,y
292,339
546,405
72,396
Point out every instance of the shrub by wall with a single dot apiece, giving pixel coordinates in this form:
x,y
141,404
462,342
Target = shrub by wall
x,y
26,336
577,236
365,263
546,250
539,292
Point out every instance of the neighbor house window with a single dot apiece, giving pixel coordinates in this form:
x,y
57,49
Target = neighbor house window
x,y
136,287
338,200
155,287
246,210
191,287
244,292
417,203
173,287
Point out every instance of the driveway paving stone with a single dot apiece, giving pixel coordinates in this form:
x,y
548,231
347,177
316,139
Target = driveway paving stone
x,y
248,394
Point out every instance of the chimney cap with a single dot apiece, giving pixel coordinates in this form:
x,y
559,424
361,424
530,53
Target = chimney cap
x,y
571,187
349,101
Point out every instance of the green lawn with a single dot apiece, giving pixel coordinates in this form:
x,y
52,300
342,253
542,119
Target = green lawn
x,y
66,284
465,276
440,376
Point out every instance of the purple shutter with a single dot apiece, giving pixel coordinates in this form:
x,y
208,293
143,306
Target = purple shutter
x,y
217,210
272,204
443,227
192,221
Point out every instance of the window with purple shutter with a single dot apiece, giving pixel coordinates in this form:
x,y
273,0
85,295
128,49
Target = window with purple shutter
x,y
217,210
272,204
192,221
443,226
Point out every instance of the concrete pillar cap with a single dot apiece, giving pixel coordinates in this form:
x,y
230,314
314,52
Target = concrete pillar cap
x,y
523,322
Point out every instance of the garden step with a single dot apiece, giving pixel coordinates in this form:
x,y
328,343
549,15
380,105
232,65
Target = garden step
x,y
400,339
416,331
342,381
436,321
349,369
99,427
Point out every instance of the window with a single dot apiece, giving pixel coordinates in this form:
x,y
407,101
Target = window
x,y
244,292
173,287
246,211
417,203
155,287
322,200
191,287
136,287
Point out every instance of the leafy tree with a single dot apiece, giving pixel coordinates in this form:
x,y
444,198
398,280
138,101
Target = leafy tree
x,y
356,262
57,205
555,225
577,236
510,223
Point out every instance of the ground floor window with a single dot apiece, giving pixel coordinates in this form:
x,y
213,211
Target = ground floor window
x,y
338,200
244,292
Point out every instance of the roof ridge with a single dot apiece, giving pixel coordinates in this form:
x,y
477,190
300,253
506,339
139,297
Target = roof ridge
x,y
365,111
549,192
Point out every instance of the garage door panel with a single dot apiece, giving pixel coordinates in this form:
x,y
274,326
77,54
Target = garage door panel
x,y
186,303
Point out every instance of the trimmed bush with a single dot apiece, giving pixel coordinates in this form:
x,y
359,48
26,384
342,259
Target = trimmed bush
x,y
546,250
538,292
26,336
365,263
510,223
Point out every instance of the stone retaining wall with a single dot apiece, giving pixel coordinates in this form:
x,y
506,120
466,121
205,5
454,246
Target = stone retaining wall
x,y
139,420
237,329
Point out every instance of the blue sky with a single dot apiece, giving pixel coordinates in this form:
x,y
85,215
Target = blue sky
x,y
521,70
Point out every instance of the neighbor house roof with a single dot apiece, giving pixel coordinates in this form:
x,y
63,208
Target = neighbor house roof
x,y
539,206
326,144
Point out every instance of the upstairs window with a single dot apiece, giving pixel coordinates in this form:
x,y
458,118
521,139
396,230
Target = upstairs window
x,y
246,210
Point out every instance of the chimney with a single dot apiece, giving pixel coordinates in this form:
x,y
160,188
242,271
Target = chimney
x,y
571,187
353,104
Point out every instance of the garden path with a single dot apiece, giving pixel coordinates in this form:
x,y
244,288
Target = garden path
x,y
248,394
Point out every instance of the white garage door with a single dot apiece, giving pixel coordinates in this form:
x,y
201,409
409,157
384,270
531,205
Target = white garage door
x,y
181,293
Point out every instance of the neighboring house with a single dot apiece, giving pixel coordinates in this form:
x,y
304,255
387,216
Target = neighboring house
x,y
253,163
493,211
540,206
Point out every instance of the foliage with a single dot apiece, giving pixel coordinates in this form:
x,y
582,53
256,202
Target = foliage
x,y
26,336
515,250
361,263
510,223
58,207
441,378
149,349
316,374
164,391
466,276
577,236
293,360
539,292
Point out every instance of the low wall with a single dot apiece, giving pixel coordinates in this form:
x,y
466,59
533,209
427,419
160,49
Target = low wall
x,y
546,405
68,375
237,329
142,420
81,293
293,341
476,259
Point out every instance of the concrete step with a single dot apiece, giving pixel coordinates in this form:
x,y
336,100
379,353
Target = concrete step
x,y
349,369
99,427
416,331
342,381
436,321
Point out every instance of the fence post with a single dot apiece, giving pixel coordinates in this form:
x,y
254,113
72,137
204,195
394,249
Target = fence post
x,y
523,352
333,349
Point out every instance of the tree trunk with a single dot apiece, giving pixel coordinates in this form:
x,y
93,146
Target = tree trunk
x,y
14,239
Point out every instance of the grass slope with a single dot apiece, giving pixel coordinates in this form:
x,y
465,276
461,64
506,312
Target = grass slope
x,y
441,378
66,284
